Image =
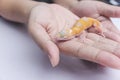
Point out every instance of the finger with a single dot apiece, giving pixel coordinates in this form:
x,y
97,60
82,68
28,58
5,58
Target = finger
x,y
111,31
104,44
107,34
107,24
113,28
110,26
111,35
40,35
86,52
108,10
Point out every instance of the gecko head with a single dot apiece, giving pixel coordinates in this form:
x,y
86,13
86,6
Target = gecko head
x,y
61,35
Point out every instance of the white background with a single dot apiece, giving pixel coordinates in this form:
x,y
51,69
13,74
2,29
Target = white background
x,y
22,59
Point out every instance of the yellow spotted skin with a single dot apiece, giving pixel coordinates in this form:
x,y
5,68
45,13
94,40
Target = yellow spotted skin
x,y
80,25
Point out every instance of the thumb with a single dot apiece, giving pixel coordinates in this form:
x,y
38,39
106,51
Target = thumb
x,y
40,35
108,10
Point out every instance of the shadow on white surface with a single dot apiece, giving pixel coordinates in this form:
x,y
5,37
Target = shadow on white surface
x,y
22,59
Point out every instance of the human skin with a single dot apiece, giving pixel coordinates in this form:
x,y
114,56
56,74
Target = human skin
x,y
102,12
92,8
46,20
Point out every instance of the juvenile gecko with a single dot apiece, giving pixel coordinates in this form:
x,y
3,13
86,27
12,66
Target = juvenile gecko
x,y
80,25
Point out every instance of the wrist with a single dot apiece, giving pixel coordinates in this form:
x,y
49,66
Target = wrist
x,y
17,11
27,10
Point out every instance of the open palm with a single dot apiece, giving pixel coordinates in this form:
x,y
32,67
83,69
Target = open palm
x,y
102,12
46,20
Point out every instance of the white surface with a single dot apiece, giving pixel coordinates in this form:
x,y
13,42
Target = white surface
x,y
21,59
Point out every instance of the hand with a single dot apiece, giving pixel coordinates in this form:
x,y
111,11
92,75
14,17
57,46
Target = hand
x,y
102,12
46,20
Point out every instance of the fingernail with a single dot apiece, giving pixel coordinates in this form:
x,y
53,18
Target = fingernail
x,y
51,61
